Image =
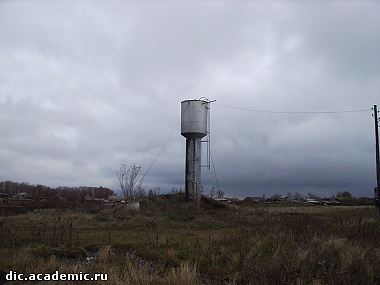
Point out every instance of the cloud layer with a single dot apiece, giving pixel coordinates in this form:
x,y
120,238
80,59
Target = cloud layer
x,y
87,86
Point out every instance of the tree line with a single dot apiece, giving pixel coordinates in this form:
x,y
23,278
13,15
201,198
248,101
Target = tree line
x,y
38,192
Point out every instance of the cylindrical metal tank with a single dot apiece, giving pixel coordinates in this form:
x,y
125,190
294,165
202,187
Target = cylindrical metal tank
x,y
194,118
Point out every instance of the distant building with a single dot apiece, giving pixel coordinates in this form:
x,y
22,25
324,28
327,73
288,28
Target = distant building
x,y
114,200
89,197
329,202
228,200
3,198
22,196
255,199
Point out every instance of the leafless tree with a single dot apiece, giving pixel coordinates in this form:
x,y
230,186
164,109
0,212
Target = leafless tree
x,y
220,194
276,196
153,192
128,182
175,190
298,196
312,195
212,192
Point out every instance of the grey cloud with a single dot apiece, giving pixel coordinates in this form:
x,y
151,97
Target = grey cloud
x,y
87,86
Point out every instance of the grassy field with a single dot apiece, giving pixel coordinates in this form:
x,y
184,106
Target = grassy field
x,y
171,242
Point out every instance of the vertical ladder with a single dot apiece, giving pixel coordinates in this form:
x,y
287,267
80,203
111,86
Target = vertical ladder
x,y
208,138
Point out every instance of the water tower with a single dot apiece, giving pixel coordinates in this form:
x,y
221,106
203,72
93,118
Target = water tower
x,y
195,115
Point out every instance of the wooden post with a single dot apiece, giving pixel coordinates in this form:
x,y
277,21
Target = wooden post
x,y
377,188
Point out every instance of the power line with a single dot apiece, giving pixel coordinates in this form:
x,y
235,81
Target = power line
x,y
213,167
163,147
161,150
294,112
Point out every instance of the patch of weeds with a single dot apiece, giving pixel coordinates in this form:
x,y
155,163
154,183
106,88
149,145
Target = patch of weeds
x,y
74,252
125,247
186,252
91,247
184,217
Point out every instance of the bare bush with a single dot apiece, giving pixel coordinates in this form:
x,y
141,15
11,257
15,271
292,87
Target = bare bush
x,y
129,185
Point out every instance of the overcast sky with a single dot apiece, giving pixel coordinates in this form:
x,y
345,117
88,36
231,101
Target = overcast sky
x,y
88,85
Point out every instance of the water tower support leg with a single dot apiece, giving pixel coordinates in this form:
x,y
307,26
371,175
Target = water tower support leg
x,y
193,170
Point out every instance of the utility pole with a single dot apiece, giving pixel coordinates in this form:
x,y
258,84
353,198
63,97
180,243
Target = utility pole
x,y
377,188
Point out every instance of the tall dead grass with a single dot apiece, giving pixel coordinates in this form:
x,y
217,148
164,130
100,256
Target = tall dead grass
x,y
170,243
121,269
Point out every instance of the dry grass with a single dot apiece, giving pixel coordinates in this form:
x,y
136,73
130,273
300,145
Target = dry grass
x,y
169,242
121,268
